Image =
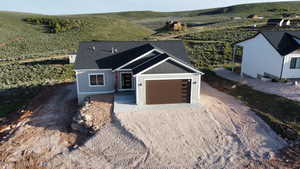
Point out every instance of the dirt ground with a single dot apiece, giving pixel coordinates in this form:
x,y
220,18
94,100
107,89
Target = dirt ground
x,y
222,133
42,131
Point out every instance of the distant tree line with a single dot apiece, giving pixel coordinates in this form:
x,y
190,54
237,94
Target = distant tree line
x,y
56,25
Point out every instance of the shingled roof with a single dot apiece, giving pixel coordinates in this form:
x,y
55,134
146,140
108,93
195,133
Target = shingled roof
x,y
113,54
283,41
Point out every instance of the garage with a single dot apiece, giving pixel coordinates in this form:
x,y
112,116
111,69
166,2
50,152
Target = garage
x,y
168,91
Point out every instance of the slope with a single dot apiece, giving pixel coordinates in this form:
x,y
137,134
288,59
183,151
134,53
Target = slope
x,y
20,39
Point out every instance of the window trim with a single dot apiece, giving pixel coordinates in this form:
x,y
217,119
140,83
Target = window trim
x,y
90,74
295,63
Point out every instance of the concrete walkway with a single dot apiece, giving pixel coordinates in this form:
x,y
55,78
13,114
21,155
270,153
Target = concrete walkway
x,y
287,90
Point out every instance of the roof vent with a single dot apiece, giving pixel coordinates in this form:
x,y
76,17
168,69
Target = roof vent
x,y
91,49
114,50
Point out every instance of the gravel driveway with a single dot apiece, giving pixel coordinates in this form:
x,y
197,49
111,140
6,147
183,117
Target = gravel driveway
x,y
222,134
287,90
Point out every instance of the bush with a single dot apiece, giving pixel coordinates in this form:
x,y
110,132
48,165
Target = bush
x,y
56,25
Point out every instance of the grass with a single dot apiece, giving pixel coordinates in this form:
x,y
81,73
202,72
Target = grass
x,y
278,112
214,47
20,82
20,39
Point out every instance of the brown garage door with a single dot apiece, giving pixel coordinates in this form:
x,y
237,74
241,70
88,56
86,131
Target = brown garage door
x,y
168,91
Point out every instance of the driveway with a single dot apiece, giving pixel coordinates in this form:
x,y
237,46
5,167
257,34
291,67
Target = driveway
x,y
287,90
222,134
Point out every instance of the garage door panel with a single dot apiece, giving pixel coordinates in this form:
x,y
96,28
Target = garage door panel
x,y
167,91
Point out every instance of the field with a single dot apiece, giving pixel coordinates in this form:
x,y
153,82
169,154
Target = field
x,y
20,82
22,39
27,37
213,48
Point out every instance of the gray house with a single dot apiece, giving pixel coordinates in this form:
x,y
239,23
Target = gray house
x,y
159,72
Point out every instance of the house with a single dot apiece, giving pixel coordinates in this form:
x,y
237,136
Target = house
x,y
274,54
158,72
254,16
176,26
279,22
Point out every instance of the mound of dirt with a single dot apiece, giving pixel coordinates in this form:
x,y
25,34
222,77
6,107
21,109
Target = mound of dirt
x,y
94,114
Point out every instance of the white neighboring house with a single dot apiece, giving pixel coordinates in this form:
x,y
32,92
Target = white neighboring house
x,y
274,54
279,22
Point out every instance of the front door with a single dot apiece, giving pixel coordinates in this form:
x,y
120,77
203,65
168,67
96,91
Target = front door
x,y
126,80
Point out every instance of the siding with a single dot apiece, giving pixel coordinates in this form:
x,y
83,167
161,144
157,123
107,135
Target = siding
x,y
84,89
260,57
168,67
195,85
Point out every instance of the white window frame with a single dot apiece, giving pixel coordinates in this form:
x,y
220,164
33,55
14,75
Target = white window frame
x,y
294,57
90,74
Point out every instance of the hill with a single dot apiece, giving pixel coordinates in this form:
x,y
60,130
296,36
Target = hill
x,y
265,9
25,35
268,9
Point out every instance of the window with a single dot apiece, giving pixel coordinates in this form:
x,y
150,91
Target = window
x,y
96,79
295,63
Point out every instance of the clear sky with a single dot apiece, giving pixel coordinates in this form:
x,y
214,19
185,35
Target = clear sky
x,y
55,7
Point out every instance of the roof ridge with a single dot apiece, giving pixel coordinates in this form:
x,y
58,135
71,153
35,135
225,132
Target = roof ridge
x,y
110,41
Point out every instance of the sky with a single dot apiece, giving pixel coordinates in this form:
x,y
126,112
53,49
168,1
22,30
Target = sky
x,y
59,7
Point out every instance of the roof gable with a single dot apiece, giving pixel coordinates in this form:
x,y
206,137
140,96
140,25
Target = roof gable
x,y
283,41
169,67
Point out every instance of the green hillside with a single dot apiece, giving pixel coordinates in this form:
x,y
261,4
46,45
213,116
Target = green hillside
x,y
23,39
267,9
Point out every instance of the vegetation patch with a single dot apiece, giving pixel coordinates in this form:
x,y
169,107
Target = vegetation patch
x,y
56,24
278,112
20,82
30,39
205,54
212,48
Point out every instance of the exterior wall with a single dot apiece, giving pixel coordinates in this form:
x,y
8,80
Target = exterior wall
x,y
260,57
84,89
288,73
141,85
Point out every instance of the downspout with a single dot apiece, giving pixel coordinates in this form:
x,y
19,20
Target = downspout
x,y
282,68
233,56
